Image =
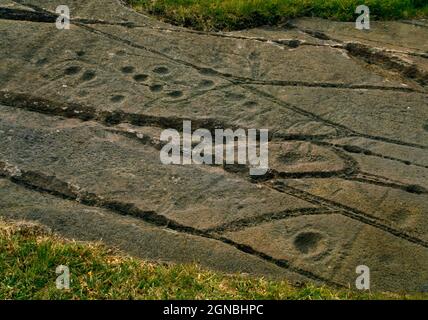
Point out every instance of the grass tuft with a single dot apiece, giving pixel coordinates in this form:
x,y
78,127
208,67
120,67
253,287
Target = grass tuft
x,y
29,256
239,14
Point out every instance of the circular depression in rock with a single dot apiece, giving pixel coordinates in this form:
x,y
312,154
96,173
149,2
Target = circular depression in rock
x,y
140,77
161,70
127,69
72,70
308,242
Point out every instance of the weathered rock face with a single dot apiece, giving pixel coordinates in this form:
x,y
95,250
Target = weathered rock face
x,y
81,112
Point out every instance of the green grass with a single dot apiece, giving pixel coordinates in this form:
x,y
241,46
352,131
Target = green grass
x,y
239,14
29,257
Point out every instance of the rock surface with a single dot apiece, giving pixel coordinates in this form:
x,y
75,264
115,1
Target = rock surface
x,y
81,112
